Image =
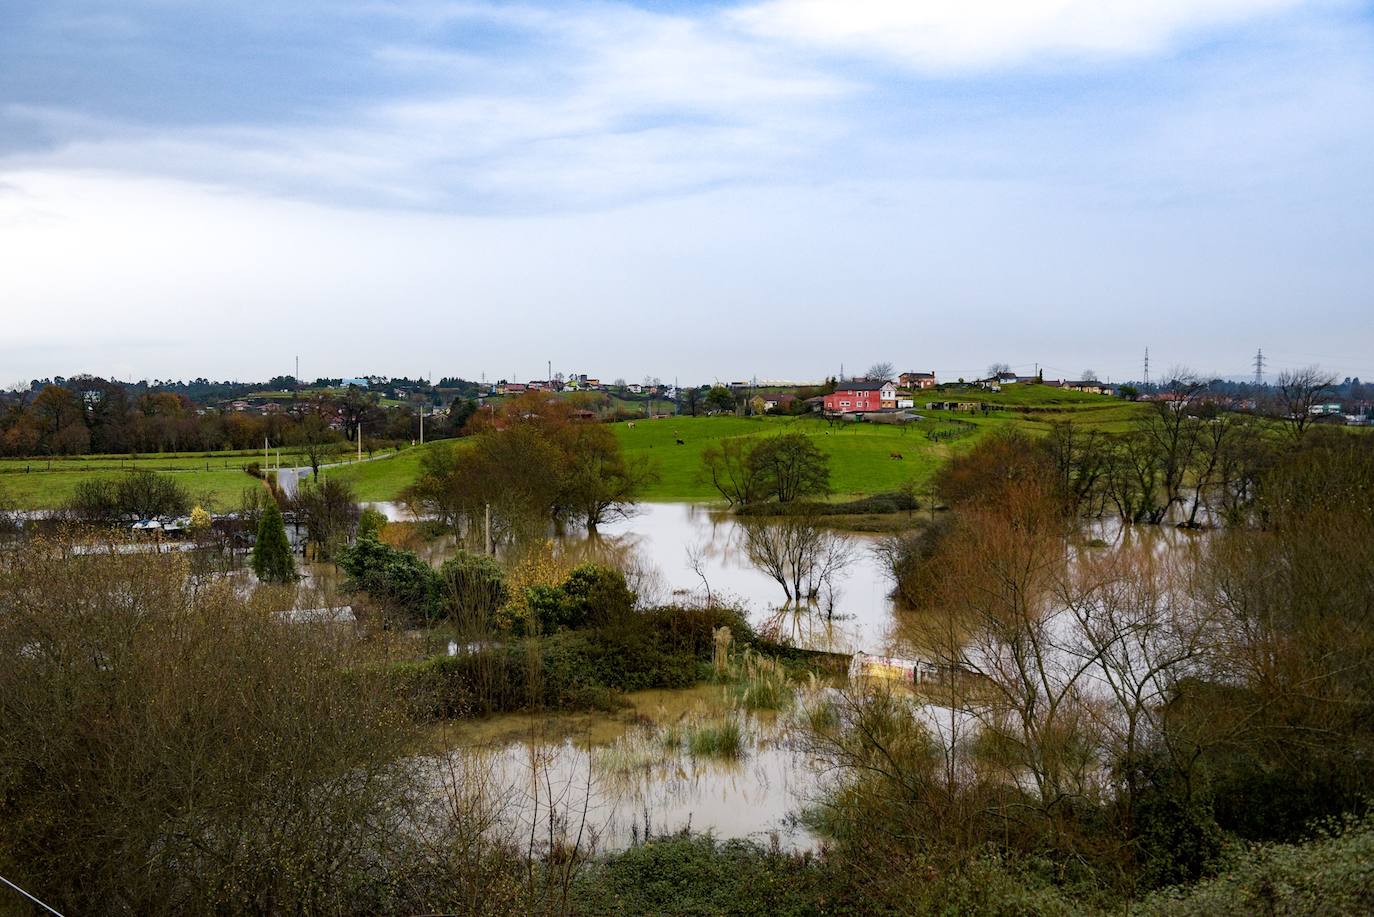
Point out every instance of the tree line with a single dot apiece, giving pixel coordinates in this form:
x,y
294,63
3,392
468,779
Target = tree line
x,y
93,416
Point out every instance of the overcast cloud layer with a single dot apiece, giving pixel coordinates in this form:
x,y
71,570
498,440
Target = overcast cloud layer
x,y
700,191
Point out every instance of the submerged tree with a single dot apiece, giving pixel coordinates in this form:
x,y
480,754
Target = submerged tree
x,y
799,553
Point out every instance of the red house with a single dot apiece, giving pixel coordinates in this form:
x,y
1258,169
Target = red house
x,y
853,395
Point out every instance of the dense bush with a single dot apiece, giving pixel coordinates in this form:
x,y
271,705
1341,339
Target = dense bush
x,y
590,596
371,521
892,502
137,494
205,756
474,589
668,647
397,578
1333,874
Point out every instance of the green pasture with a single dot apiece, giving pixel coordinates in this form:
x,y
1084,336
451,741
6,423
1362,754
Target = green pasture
x,y
216,479
862,454
216,489
384,478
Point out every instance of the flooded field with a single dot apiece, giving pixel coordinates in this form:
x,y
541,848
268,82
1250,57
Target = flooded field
x,y
617,779
680,550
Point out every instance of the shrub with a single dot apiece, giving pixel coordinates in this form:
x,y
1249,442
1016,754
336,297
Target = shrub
x,y
695,874
399,579
371,521
474,588
1333,874
691,628
566,670
590,596
575,669
139,494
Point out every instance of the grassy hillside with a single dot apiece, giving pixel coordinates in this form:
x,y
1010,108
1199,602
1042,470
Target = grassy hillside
x,y
861,461
384,478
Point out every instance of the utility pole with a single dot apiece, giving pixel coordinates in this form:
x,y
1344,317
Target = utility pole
x,y
298,369
422,424
360,441
488,527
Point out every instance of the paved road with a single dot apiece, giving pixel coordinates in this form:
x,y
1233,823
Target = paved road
x,y
289,478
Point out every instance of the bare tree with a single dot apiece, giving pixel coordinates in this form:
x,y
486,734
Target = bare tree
x,y
1171,432
1140,635
1298,391
996,369
727,466
880,372
799,553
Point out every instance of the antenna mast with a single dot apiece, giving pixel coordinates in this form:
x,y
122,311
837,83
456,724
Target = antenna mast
x,y
1147,366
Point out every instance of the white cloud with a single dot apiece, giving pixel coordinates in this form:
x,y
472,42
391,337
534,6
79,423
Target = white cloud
x,y
592,107
943,35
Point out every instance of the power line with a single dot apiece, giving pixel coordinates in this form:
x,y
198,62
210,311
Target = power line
x,y
45,907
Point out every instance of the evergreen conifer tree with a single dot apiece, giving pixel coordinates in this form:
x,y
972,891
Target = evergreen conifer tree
x,y
272,560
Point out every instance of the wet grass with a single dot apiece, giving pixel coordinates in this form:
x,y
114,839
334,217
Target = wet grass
x,y
760,683
718,737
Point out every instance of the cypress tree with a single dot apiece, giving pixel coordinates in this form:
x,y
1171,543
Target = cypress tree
x,y
272,560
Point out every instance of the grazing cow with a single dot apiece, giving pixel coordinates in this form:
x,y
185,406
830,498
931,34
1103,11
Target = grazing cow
x,y
896,456
630,424
681,443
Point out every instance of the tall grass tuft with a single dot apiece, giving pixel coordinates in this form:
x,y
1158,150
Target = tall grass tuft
x,y
761,683
722,737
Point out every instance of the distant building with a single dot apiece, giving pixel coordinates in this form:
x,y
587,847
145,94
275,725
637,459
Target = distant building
x,y
1083,385
854,395
917,380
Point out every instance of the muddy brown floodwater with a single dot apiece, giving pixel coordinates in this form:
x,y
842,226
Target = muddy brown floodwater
x,y
659,542
616,779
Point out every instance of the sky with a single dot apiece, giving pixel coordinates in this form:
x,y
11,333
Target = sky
x,y
771,189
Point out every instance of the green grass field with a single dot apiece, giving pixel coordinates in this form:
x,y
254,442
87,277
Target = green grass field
x,y
861,454
216,479
385,478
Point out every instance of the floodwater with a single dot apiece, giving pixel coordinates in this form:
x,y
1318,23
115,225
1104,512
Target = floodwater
x,y
618,780
686,549
677,551
609,781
